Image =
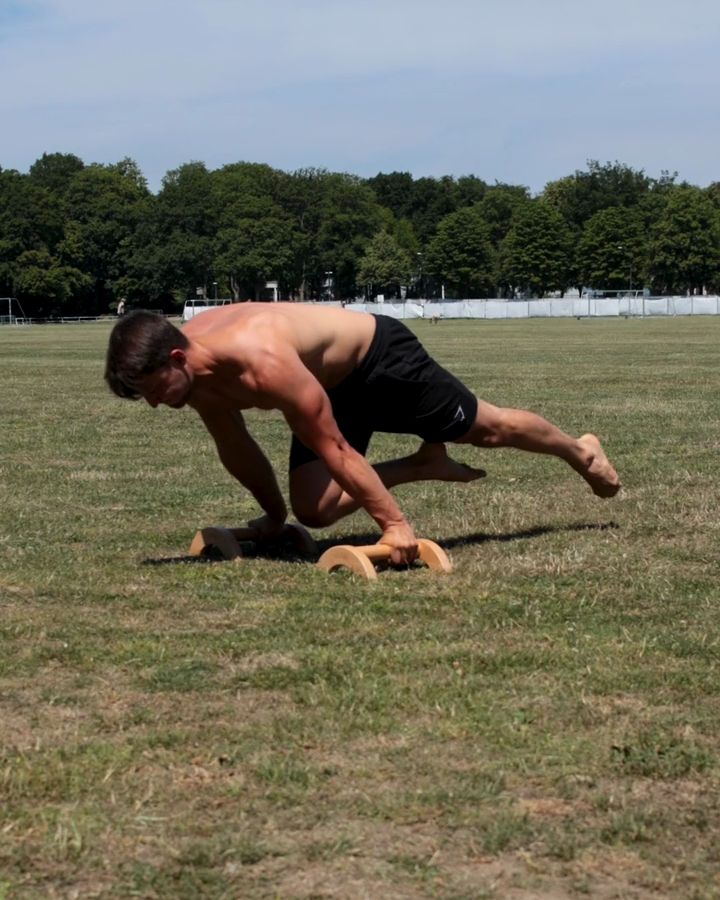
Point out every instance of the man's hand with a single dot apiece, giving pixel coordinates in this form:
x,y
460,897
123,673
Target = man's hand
x,y
404,543
267,529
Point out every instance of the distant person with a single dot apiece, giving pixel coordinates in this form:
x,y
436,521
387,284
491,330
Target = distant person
x,y
121,307
337,376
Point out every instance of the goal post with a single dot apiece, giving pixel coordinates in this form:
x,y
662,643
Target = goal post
x,y
11,313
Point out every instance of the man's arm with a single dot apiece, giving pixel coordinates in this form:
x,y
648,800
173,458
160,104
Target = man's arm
x,y
245,461
282,380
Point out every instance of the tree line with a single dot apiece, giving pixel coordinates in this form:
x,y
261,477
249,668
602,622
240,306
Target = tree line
x,y
76,237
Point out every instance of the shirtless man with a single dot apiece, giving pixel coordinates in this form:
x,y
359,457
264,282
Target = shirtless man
x,y
336,376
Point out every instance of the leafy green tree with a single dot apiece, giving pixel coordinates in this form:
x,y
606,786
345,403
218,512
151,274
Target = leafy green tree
x,y
432,200
425,201
612,251
404,233
499,205
256,238
103,207
256,248
385,265
461,254
302,200
652,204
713,194
349,215
30,220
394,191
685,243
469,190
46,283
535,254
55,171
172,249
578,197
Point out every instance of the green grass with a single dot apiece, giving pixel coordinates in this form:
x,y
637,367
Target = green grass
x,y
542,722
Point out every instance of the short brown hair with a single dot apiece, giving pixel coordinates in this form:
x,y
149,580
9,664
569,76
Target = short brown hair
x,y
140,344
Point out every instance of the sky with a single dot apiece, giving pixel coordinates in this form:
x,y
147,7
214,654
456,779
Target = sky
x,y
517,91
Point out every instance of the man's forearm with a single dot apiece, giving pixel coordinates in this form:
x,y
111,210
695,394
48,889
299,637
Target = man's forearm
x,y
357,478
259,478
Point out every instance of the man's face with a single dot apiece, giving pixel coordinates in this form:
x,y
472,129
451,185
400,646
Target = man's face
x,y
171,384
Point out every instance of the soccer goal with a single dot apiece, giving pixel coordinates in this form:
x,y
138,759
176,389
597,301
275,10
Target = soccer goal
x,y
11,313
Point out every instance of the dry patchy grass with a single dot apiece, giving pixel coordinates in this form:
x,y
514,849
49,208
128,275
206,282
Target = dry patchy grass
x,y
541,723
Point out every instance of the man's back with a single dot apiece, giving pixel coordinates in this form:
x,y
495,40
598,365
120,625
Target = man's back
x,y
330,341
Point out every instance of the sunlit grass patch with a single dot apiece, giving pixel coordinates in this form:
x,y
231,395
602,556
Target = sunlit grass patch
x,y
542,720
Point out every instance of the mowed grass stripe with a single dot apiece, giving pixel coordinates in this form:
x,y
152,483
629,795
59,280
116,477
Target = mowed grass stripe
x,y
542,722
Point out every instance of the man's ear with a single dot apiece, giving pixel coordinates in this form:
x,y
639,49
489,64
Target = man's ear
x,y
178,356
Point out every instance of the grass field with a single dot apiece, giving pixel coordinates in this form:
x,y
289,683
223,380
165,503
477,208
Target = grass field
x,y
541,723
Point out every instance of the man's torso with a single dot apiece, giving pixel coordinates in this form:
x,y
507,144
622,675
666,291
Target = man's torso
x,y
330,342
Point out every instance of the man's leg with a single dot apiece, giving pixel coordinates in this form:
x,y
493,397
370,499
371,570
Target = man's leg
x,y
318,501
498,427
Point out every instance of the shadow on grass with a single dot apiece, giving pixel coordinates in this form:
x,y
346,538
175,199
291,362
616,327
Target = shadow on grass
x,y
254,551
481,537
211,557
478,537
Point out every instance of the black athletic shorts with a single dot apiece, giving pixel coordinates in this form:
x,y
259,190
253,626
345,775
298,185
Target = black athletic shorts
x,y
396,388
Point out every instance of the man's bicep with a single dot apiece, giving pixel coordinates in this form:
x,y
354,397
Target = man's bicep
x,y
308,412
284,382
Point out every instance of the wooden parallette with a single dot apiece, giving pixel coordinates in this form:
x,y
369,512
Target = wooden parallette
x,y
228,541
360,559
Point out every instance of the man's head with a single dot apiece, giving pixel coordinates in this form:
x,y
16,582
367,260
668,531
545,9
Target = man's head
x,y
146,357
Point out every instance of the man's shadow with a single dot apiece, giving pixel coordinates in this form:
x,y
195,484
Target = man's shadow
x,y
284,553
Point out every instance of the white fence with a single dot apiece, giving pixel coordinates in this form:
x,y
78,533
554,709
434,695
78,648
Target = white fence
x,y
572,307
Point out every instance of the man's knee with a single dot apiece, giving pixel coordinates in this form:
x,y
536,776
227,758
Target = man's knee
x,y
493,427
312,515
313,508
314,496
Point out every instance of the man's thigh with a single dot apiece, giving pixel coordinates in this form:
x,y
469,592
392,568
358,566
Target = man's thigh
x,y
356,430
310,484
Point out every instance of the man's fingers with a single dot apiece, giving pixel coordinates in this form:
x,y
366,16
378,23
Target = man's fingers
x,y
403,557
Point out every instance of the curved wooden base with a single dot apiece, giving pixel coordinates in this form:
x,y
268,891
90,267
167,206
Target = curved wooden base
x,y
360,559
228,541
218,539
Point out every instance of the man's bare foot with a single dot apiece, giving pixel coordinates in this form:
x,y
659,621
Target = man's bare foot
x,y
436,465
598,472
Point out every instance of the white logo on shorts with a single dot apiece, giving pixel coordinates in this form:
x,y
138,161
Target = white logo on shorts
x,y
460,414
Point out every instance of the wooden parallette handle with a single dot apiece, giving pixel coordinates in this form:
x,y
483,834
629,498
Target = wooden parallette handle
x,y
227,541
360,559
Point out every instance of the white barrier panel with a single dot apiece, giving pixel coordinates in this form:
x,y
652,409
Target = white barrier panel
x,y
580,307
476,309
632,306
608,307
558,307
518,310
473,309
703,306
541,308
562,307
656,306
495,309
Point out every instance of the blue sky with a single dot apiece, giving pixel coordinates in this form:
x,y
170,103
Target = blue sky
x,y
513,90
